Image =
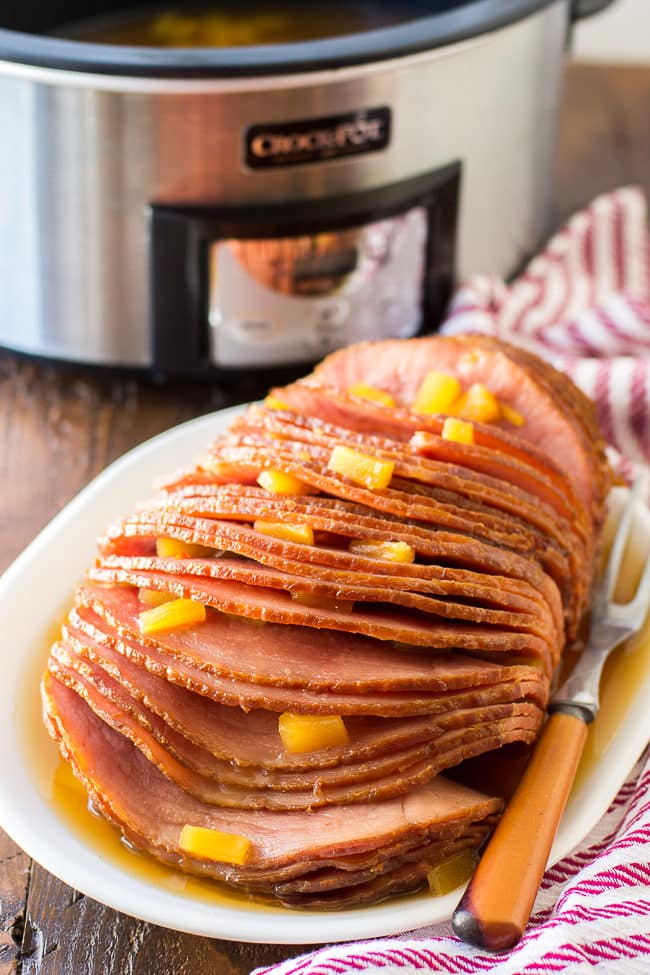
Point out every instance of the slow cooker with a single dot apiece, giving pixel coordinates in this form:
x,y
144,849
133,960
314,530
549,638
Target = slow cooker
x,y
196,210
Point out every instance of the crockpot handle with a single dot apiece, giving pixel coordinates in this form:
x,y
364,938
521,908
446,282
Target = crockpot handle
x,y
585,8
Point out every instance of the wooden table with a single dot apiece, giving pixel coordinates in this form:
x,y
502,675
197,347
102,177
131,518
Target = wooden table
x,y
58,430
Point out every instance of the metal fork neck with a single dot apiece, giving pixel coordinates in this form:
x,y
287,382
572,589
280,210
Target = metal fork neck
x,y
580,690
582,712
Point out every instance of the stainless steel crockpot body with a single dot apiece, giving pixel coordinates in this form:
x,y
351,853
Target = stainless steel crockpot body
x,y
196,210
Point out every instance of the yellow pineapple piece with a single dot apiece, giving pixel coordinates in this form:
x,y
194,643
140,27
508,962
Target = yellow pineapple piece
x,y
171,615
275,403
279,483
154,597
311,732
451,873
322,602
371,393
371,472
212,844
477,404
388,551
511,415
437,392
458,430
303,534
175,548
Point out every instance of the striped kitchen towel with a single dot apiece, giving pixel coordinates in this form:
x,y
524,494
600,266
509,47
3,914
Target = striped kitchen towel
x,y
584,304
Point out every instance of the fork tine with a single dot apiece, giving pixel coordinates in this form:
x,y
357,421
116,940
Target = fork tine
x,y
610,576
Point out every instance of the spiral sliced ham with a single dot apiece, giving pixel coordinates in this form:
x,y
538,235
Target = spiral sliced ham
x,y
150,810
560,420
92,637
429,662
228,783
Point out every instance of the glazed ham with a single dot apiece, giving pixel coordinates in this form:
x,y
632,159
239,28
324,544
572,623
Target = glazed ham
x,y
560,421
225,783
151,810
425,616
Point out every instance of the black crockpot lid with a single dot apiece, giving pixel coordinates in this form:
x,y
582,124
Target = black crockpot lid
x,y
464,21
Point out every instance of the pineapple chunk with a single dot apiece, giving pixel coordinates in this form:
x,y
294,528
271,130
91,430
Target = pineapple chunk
x,y
372,393
511,415
175,548
311,732
371,472
275,403
171,615
388,551
153,597
458,430
451,873
279,483
437,392
477,404
212,844
322,602
303,534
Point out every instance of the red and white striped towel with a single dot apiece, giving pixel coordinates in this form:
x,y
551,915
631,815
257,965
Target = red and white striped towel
x,y
584,304
592,914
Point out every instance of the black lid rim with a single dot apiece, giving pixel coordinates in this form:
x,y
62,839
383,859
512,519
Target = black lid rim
x,y
421,34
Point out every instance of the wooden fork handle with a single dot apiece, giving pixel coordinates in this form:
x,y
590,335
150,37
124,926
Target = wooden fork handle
x,y
496,906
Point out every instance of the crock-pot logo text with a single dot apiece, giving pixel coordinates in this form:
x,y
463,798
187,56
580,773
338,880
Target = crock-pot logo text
x,y
313,140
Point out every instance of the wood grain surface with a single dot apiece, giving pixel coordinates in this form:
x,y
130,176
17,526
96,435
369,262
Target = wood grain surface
x,y
58,429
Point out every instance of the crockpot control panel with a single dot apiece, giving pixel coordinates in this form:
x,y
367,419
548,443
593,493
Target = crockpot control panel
x,y
274,286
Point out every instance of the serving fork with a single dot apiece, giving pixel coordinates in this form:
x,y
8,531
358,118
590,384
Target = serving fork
x,y
496,905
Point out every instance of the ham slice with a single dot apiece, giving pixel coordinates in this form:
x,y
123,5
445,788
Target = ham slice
x,y
224,783
251,738
476,494
313,438
559,419
481,609
399,500
151,810
294,657
344,518
326,881
409,874
437,547
495,452
91,636
497,592
336,657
